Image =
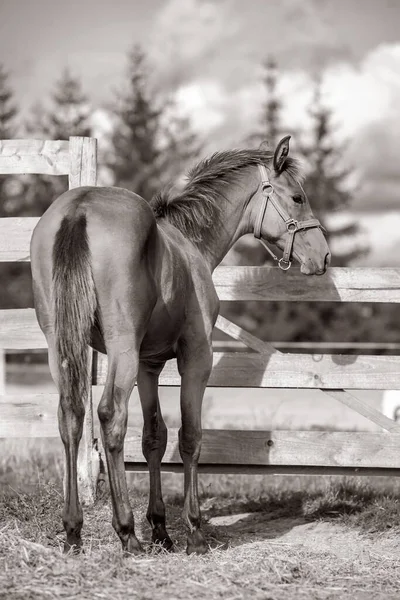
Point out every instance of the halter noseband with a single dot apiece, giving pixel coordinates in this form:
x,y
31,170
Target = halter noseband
x,y
292,225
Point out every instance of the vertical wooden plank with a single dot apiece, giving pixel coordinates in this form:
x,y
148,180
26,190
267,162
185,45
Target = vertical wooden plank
x,y
83,161
83,171
2,372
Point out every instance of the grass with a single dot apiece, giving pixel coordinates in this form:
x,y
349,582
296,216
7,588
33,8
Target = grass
x,y
270,537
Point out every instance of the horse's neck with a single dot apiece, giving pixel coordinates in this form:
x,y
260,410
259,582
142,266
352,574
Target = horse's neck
x,y
233,222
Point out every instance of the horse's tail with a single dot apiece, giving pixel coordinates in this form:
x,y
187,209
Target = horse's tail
x,y
74,303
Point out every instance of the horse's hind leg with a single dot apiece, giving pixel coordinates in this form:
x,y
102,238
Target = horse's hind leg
x,y
154,444
71,413
123,365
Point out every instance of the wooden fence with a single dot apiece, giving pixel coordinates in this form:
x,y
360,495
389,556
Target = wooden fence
x,y
264,366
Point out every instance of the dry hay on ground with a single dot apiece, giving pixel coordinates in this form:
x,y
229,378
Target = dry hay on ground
x,y
339,542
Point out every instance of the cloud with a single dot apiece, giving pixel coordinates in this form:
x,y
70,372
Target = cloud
x,y
312,36
205,102
187,37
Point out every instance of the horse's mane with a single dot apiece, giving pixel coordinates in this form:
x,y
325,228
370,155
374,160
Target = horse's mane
x,y
196,210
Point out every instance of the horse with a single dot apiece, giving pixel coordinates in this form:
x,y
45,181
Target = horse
x,y
133,279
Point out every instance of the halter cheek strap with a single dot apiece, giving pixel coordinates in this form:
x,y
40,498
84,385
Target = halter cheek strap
x,y
292,225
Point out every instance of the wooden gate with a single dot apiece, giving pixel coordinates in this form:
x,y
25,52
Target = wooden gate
x,y
264,366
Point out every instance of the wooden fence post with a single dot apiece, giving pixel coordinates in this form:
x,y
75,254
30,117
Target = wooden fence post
x,y
83,171
2,372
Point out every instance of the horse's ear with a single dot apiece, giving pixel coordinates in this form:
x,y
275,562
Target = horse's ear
x,y
281,153
264,146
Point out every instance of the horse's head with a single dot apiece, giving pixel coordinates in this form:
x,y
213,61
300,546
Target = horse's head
x,y
285,218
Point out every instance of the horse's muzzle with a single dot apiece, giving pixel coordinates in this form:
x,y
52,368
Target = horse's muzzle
x,y
310,268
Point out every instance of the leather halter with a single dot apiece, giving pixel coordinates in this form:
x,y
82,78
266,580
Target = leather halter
x,y
292,225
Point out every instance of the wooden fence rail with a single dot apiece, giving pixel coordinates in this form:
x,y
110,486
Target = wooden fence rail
x,y
262,366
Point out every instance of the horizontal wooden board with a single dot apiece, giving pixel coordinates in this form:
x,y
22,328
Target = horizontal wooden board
x,y
282,448
15,237
47,157
223,450
279,370
339,284
31,416
20,330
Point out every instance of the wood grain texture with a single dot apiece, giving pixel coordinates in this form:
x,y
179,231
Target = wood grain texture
x,y
2,372
216,469
30,416
15,238
20,330
279,370
45,157
83,161
339,284
282,448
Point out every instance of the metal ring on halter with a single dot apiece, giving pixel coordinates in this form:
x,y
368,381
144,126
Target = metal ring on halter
x,y
292,225
289,264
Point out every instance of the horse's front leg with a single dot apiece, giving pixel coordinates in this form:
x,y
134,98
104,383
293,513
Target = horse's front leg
x,y
195,368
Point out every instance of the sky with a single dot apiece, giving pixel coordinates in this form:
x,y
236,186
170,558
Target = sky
x,y
209,54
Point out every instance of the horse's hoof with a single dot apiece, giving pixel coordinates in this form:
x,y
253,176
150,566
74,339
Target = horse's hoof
x,y
133,547
196,543
166,544
75,548
162,541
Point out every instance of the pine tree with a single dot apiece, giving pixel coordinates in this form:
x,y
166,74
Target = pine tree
x,y
8,107
327,182
67,115
8,129
151,145
269,128
70,109
15,288
273,105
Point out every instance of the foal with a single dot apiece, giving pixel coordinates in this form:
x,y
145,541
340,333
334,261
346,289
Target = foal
x,y
134,280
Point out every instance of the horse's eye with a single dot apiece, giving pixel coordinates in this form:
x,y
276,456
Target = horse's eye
x,y
298,198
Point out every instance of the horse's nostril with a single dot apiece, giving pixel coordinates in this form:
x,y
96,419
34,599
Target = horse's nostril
x,y
327,259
